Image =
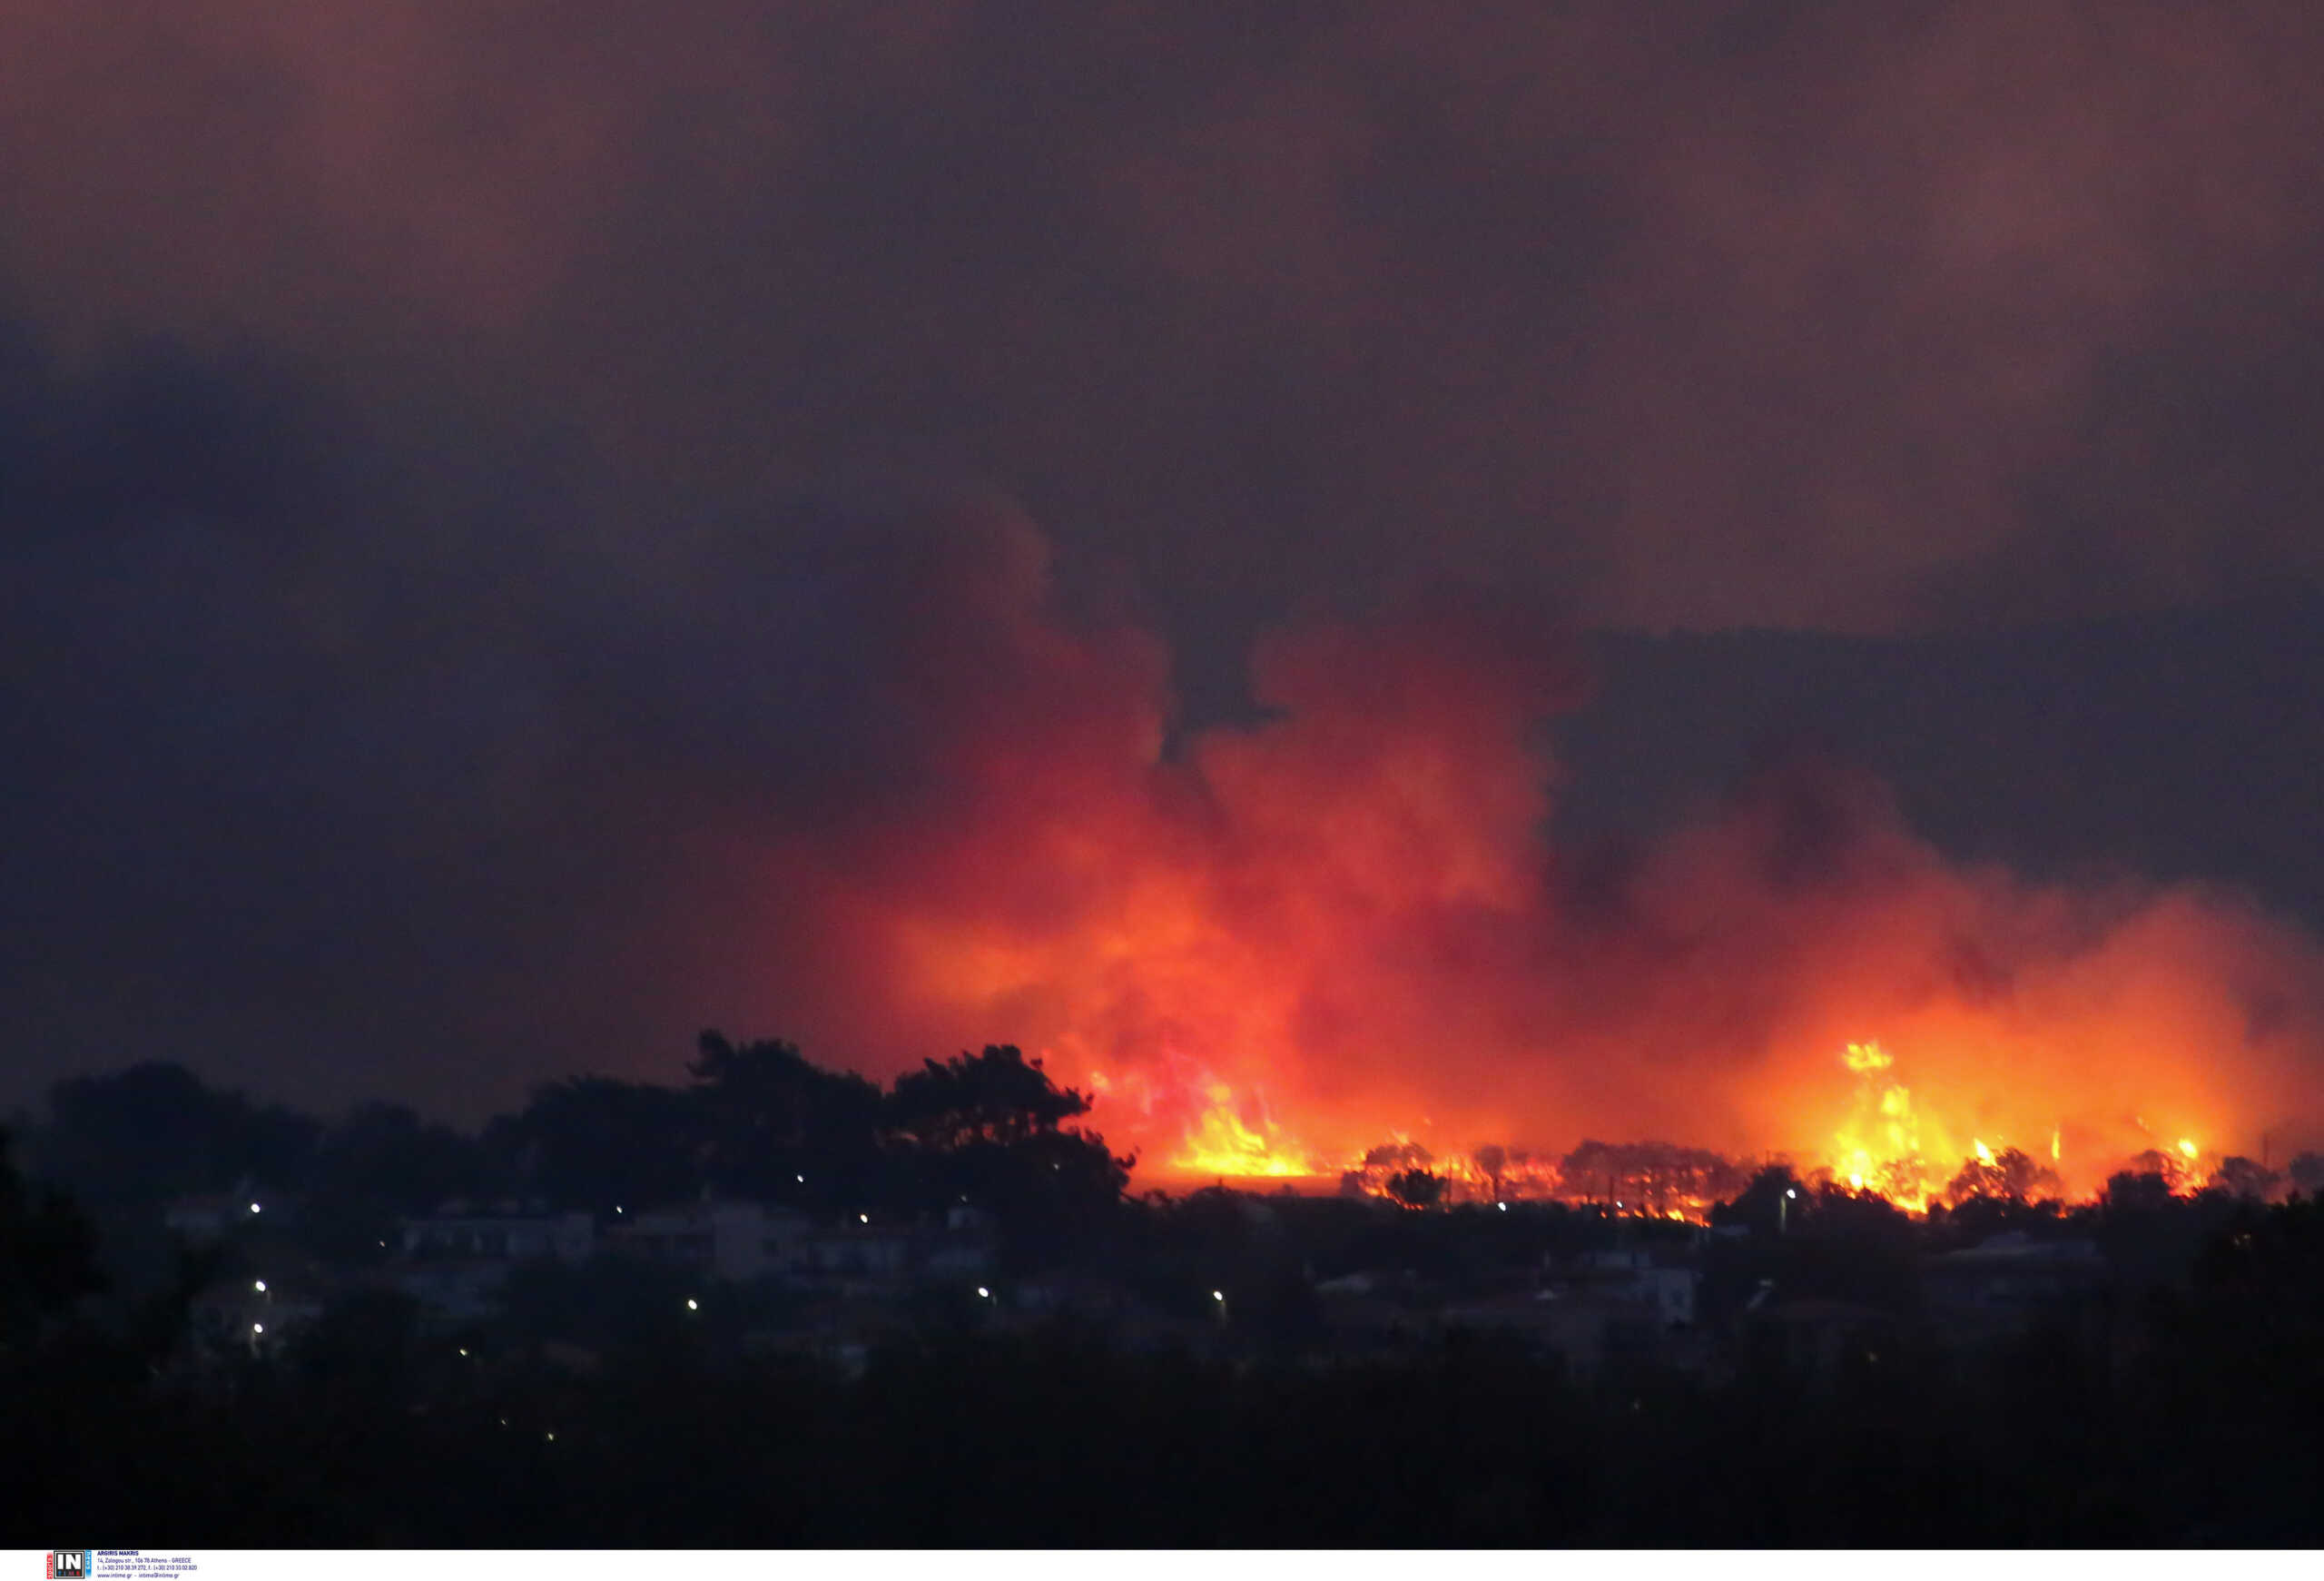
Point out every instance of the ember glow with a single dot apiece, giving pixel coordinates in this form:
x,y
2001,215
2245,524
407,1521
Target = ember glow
x,y
1270,951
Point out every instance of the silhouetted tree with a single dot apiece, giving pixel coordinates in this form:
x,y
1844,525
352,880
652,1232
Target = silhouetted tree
x,y
47,1255
2244,1180
386,1154
2014,1176
1761,1205
2167,1165
2137,1191
988,1129
1417,1189
996,1097
597,1142
772,1117
1655,1176
2306,1172
1491,1159
156,1130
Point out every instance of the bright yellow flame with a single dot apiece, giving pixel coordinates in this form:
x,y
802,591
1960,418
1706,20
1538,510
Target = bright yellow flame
x,y
1866,1058
1219,1143
2187,1147
1984,1154
1881,1145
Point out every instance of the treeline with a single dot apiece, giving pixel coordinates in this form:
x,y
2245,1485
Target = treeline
x,y
755,1120
1659,1177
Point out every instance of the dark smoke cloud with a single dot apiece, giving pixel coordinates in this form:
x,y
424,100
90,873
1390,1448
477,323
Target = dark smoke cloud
x,y
1758,314
422,670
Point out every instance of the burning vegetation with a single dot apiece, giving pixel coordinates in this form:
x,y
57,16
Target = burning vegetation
x,y
1341,945
1885,1149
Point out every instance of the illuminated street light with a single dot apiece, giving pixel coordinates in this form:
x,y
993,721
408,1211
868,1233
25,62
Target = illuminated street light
x,y
1502,1206
259,1285
1219,1295
802,1179
258,1327
983,1294
692,1305
865,1218
254,1207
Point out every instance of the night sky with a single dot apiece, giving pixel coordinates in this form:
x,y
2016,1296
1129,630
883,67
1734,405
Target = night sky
x,y
514,516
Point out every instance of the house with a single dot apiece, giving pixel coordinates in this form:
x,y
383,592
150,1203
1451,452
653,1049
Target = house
x,y
1061,1292
2008,1283
505,1238
214,1217
862,1251
731,1241
453,1292
1660,1282
969,1248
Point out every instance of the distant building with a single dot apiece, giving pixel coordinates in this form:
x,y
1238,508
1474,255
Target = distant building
x,y
732,1241
501,1238
2011,1282
859,1250
1660,1282
214,1217
454,1291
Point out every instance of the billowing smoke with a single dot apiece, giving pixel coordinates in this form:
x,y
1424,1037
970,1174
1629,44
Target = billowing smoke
x,y
1348,921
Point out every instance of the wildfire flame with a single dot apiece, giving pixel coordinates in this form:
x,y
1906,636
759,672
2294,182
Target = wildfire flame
x,y
1218,1143
1890,1145
1352,905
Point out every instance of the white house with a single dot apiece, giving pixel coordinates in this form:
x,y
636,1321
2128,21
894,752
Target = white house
x,y
568,1237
